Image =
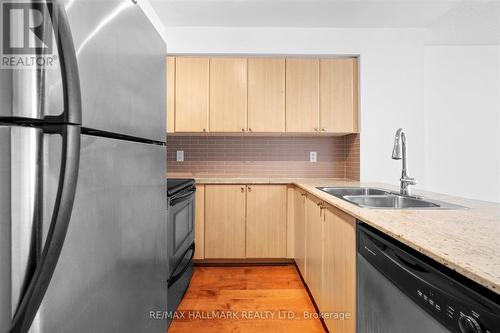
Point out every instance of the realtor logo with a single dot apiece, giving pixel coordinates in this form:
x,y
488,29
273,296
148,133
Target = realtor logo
x,y
28,34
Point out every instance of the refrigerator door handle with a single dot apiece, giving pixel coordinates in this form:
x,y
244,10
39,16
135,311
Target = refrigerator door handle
x,y
69,70
32,298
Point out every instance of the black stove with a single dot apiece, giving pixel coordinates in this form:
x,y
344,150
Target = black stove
x,y
177,185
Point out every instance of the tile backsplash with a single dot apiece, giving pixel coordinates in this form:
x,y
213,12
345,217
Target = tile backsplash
x,y
264,156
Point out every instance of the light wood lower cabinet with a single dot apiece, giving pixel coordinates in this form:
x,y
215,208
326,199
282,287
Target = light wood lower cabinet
x,y
338,293
300,230
245,221
225,211
266,221
314,249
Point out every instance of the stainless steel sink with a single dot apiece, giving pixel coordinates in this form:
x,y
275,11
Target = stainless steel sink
x,y
342,191
389,201
371,197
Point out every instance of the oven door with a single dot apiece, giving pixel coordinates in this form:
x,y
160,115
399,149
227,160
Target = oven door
x,y
180,229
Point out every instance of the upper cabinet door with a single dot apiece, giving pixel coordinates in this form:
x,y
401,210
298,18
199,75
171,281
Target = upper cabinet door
x,y
191,94
228,94
302,95
170,94
339,95
266,95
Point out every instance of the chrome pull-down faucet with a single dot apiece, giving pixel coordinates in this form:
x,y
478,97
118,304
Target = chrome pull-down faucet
x,y
398,153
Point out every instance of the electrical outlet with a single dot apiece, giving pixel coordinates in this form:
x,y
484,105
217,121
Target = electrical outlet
x,y
313,156
180,156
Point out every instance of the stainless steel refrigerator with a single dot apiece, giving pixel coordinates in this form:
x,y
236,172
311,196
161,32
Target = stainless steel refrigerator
x,y
83,237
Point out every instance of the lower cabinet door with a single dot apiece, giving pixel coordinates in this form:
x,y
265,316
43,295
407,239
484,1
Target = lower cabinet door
x,y
225,210
300,230
338,297
266,221
314,247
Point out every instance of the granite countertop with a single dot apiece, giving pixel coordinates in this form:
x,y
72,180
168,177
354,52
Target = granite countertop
x,y
465,240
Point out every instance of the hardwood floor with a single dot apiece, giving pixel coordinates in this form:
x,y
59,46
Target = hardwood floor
x,y
246,299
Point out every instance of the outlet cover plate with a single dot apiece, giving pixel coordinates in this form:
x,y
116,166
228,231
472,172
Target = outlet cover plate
x,y
313,156
180,156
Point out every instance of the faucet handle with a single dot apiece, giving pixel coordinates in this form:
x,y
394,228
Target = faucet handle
x,y
409,180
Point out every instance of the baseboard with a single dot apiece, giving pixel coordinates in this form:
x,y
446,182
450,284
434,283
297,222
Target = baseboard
x,y
243,262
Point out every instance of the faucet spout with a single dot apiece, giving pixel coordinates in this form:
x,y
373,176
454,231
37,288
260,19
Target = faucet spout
x,y
399,153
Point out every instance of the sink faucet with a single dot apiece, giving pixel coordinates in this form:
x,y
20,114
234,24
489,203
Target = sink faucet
x,y
398,153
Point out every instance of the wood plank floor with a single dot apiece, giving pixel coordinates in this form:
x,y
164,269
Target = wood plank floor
x,y
258,299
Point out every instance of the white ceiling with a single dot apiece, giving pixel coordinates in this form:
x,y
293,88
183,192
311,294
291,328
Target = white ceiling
x,y
305,13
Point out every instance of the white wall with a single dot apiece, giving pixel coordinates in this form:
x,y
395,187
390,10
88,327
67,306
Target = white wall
x,y
462,113
391,78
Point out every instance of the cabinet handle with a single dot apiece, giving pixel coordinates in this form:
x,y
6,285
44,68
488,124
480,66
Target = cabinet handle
x,y
249,189
316,129
249,129
204,130
303,194
242,189
323,130
243,130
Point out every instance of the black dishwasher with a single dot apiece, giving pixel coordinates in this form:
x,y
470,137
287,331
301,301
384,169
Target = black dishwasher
x,y
181,204
400,290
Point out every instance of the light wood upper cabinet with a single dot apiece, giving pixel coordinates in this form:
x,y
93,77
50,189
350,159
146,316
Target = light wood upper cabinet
x,y
170,94
302,95
191,94
300,230
199,222
266,221
339,269
339,95
228,94
314,249
266,94
262,94
225,210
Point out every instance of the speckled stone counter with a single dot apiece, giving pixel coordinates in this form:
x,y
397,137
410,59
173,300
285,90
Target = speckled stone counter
x,y
465,240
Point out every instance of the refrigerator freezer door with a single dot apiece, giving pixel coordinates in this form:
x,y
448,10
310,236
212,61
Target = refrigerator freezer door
x,y
121,61
112,272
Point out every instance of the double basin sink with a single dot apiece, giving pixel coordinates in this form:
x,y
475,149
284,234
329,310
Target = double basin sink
x,y
370,197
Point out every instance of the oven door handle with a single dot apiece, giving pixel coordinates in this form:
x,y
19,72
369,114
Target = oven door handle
x,y
182,198
176,277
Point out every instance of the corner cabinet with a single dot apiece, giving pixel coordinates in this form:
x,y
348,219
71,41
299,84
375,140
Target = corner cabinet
x,y
262,95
